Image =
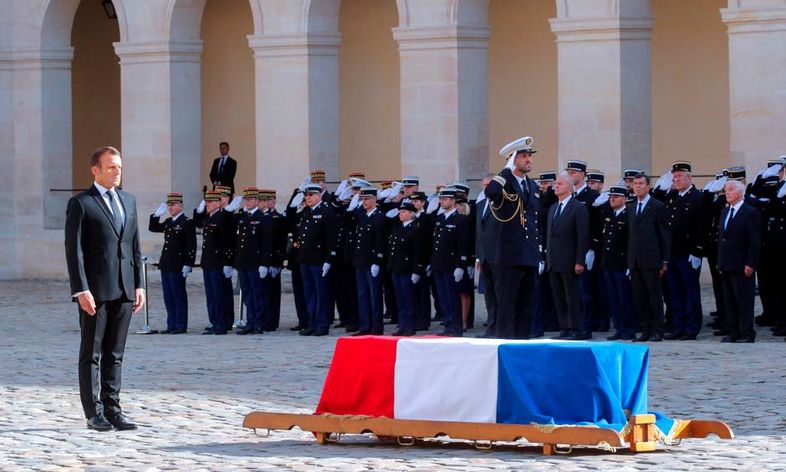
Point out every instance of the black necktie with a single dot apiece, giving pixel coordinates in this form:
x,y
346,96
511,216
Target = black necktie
x,y
638,212
558,212
116,217
728,220
221,166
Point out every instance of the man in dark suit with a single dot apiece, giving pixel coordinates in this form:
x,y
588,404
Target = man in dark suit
x,y
105,272
649,246
486,229
738,256
515,202
224,168
568,236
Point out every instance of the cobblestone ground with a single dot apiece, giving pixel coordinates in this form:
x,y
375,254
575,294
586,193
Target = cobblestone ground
x,y
189,394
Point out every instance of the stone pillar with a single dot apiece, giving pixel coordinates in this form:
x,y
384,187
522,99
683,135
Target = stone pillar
x,y
296,107
161,121
444,102
757,80
604,83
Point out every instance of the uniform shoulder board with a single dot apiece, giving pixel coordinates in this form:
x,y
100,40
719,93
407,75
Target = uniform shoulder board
x,y
499,179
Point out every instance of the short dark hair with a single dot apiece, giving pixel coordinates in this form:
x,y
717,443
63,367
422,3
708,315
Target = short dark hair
x,y
642,175
223,143
95,158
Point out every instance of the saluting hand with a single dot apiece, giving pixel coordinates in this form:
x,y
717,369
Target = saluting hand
x,y
139,299
87,303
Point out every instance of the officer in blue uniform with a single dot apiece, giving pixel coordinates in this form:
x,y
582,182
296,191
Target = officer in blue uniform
x,y
316,242
368,258
543,316
422,304
450,260
253,252
271,285
228,208
293,215
177,259
405,263
216,261
515,202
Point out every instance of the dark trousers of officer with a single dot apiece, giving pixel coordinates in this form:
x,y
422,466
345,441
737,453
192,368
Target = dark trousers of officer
x,y
567,299
369,301
515,287
646,286
229,303
717,285
346,295
271,293
405,298
489,296
301,307
738,296
253,298
767,276
619,299
215,292
103,342
684,296
438,308
588,290
422,307
448,296
545,315
389,296
175,300
315,288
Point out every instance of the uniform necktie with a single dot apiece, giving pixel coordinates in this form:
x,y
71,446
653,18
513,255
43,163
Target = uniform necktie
x,y
731,215
558,212
638,212
116,217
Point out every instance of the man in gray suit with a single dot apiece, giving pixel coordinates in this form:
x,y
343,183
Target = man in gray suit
x,y
567,231
649,248
105,271
486,230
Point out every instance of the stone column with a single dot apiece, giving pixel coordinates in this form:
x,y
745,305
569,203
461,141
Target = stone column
x,y
296,107
604,83
161,121
757,80
444,102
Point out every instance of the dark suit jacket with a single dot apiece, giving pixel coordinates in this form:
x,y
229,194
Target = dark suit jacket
x,y
486,231
227,174
739,244
101,260
568,237
649,241
179,242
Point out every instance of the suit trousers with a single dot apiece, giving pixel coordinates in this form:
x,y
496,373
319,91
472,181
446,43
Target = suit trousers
x,y
738,296
489,296
175,300
253,297
448,296
619,299
318,300
228,300
103,342
271,289
515,293
346,294
717,285
215,291
566,294
301,307
646,285
422,306
369,301
405,297
684,296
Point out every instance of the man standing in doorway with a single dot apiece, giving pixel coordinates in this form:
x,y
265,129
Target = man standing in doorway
x,y
224,168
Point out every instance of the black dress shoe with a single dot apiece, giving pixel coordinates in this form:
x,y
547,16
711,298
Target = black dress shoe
x,y
245,331
565,334
747,339
536,335
121,423
445,333
721,332
178,331
581,337
208,328
320,332
219,332
729,339
688,337
398,332
628,337
351,328
614,337
261,330
361,333
167,331
656,338
643,337
99,423
340,324
207,331
306,332
672,336
297,328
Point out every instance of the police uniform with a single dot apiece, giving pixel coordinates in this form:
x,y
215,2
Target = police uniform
x,y
422,305
345,288
217,250
543,316
229,291
711,208
177,259
271,285
316,242
368,261
253,250
405,263
293,217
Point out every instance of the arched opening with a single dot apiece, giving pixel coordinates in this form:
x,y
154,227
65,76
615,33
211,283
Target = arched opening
x,y
690,85
227,78
522,58
369,108
95,87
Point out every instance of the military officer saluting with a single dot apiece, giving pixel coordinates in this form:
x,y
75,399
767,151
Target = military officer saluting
x,y
177,258
368,258
405,263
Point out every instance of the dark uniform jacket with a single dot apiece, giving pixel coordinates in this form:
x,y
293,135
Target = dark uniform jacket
x,y
405,254
218,241
684,220
179,242
280,230
614,254
370,239
739,244
649,241
317,236
568,237
486,233
518,208
451,243
587,196
254,241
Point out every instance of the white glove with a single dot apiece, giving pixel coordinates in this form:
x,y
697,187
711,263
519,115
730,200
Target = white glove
x,y
471,272
415,278
296,200
602,198
782,191
303,184
160,210
383,194
509,164
432,206
627,273
428,270
695,262
235,203
201,207
392,213
706,187
228,272
274,271
325,268
541,267
342,186
481,197
374,270
263,271
186,271
717,186
458,274
771,171
394,191
589,259
665,181
354,202
345,194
